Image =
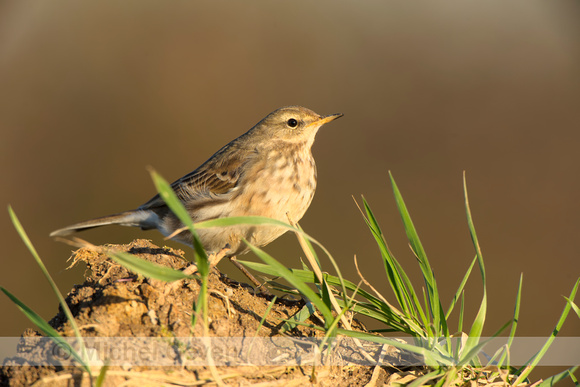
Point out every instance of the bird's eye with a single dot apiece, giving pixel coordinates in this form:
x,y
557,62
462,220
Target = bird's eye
x,y
292,123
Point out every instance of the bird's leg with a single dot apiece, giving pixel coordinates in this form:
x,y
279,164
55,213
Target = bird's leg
x,y
213,260
249,275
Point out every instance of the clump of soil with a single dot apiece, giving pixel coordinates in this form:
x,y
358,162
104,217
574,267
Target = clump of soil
x,y
115,302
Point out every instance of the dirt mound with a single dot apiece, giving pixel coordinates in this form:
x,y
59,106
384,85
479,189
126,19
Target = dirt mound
x,y
116,303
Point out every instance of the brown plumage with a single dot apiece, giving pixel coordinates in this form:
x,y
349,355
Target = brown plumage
x,y
268,171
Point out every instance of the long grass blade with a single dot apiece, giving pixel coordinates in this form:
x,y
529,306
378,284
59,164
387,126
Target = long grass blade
x,y
200,256
469,354
295,281
516,317
393,275
148,269
260,220
302,315
504,358
46,328
398,279
102,375
439,322
432,358
459,291
422,380
527,368
572,376
375,308
461,313
61,300
573,306
549,382
268,309
177,207
478,323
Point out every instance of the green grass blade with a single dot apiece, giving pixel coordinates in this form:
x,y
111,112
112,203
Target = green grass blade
x,y
250,220
311,255
469,354
478,323
505,354
428,327
102,375
461,313
200,256
398,279
573,306
268,309
549,382
325,292
177,207
260,220
516,317
200,306
437,314
31,315
376,308
301,286
148,269
46,328
395,273
447,378
302,315
459,291
432,358
422,380
527,368
412,235
61,300
459,327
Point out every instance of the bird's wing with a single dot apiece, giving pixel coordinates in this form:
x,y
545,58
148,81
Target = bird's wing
x,y
216,179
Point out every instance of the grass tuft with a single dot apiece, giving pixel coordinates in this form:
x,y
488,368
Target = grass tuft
x,y
452,358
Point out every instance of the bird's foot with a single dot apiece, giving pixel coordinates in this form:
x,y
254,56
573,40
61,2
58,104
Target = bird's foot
x,y
213,260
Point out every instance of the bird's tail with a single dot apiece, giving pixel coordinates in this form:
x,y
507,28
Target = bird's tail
x,y
135,218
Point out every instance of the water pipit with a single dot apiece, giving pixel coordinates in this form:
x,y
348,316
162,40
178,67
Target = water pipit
x,y
267,171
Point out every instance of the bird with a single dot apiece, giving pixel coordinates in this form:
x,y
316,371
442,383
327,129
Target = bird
x,y
267,171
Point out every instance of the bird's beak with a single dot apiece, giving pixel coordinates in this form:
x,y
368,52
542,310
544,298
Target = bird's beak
x,y
327,119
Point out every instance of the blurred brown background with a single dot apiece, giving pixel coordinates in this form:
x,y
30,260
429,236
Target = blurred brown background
x,y
91,93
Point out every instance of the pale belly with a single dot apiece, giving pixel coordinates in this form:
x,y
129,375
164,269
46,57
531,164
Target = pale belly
x,y
286,197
